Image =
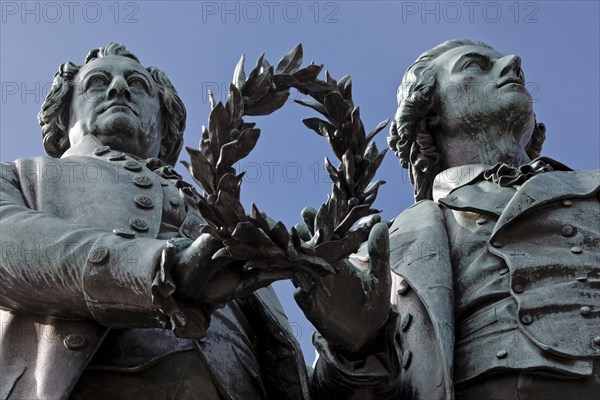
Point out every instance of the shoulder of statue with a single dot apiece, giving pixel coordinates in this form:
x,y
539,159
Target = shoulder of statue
x,y
423,212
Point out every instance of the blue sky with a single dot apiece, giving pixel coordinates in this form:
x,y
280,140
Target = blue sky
x,y
197,43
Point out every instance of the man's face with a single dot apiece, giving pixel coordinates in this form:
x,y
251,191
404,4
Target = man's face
x,y
480,88
116,100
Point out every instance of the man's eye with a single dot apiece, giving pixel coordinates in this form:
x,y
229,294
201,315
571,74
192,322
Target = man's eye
x,y
137,83
476,63
97,82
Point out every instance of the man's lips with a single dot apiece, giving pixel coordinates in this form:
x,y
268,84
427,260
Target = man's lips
x,y
511,80
117,104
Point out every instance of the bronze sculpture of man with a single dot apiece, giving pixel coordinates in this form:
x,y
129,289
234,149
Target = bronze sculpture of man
x,y
108,289
495,269
106,282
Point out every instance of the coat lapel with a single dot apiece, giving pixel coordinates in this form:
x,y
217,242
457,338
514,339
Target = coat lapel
x,y
546,188
420,254
482,197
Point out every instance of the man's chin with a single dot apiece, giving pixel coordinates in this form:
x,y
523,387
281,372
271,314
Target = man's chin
x,y
119,135
116,128
514,92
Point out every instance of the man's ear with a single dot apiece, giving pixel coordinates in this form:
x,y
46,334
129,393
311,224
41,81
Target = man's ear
x,y
534,147
432,120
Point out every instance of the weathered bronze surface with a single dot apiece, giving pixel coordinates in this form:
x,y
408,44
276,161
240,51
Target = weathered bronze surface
x,y
117,272
495,269
486,288
108,289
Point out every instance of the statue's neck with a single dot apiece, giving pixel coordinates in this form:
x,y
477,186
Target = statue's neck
x,y
487,149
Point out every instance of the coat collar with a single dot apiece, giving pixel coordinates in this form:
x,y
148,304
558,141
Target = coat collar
x,y
464,188
85,147
546,188
89,144
453,178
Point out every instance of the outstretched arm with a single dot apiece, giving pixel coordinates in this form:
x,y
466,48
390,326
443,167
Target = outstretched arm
x,y
356,328
51,266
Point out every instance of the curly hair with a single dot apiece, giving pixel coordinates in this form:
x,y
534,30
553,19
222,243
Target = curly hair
x,y
54,115
410,134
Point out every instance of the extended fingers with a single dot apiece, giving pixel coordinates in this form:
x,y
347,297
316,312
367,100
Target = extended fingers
x,y
257,278
378,247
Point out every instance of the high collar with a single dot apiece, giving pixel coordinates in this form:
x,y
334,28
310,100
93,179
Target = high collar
x,y
88,144
455,177
85,147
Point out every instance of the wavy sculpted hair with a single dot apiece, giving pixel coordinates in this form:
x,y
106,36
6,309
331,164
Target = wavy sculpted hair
x,y
411,136
54,115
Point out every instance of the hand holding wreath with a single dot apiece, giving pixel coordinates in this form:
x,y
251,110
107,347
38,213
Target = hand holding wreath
x,y
253,253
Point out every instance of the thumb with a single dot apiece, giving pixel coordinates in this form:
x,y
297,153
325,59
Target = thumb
x,y
378,247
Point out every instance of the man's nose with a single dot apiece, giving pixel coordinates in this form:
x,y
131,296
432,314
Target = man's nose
x,y
118,88
509,63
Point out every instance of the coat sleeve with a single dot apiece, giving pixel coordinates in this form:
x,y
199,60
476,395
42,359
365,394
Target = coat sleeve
x,y
374,376
53,267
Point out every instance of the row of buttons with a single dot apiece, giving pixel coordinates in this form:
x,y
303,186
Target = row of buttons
x,y
566,231
99,254
141,201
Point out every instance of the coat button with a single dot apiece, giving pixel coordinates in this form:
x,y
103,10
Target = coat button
x,y
139,224
98,254
481,221
567,203
125,233
526,319
596,342
142,181
405,322
98,151
143,201
518,289
406,359
585,311
403,287
74,341
497,244
175,202
567,230
576,250
132,165
501,354
116,157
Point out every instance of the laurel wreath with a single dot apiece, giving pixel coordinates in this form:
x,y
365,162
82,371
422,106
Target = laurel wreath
x,y
229,138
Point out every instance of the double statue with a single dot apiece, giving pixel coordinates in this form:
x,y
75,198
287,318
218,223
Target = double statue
x,y
488,287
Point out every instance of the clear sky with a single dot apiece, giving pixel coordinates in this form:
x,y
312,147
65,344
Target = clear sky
x,y
197,43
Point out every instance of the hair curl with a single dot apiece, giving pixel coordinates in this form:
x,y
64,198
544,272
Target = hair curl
x,y
410,134
54,115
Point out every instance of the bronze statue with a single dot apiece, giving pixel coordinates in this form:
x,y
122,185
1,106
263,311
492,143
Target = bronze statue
x,y
495,269
108,289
